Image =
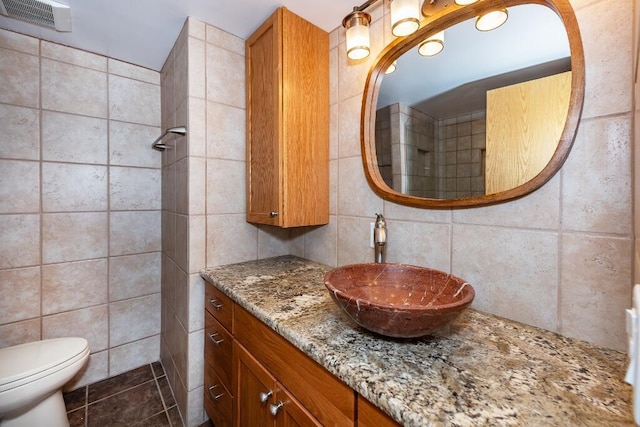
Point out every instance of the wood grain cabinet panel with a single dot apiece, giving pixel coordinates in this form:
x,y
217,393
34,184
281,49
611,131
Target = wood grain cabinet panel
x,y
327,398
254,370
262,401
287,89
218,401
255,391
293,414
370,416
218,350
219,306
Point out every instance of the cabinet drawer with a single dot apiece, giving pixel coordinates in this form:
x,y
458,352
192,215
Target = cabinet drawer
x,y
219,305
218,402
327,398
218,349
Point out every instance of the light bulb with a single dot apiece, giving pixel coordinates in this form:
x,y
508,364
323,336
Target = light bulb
x,y
357,34
491,20
432,45
405,17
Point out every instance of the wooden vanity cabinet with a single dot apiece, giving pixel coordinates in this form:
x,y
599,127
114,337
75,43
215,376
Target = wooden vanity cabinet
x,y
252,359
287,126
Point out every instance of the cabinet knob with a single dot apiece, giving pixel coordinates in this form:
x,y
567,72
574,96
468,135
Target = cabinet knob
x,y
215,304
215,341
264,396
275,408
273,214
212,395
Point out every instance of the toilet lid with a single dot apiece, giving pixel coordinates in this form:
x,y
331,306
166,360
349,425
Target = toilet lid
x,y
24,360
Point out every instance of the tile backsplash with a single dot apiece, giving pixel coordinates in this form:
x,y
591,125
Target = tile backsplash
x,y
559,258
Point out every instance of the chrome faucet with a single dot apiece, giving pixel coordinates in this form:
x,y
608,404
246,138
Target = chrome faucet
x,y
379,237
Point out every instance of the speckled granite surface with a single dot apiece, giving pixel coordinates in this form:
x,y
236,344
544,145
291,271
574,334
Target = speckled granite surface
x,y
486,371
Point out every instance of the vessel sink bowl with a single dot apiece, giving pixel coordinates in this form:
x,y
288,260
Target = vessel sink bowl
x,y
398,300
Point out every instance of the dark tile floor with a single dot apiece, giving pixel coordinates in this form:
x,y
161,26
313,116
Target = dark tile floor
x,y
140,397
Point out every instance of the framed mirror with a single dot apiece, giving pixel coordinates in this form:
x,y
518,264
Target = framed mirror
x,y
490,118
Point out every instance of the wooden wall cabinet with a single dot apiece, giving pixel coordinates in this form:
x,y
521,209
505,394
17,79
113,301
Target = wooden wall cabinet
x,y
287,89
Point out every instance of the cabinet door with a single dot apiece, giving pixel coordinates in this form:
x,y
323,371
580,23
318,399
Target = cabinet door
x,y
323,395
263,124
255,391
291,413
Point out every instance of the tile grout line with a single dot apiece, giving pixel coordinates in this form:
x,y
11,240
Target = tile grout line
x,y
162,398
119,392
86,406
158,390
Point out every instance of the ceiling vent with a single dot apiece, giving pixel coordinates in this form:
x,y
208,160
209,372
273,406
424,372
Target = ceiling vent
x,y
47,13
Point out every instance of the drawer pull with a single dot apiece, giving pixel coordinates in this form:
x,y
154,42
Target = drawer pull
x,y
214,396
274,409
214,340
215,304
265,396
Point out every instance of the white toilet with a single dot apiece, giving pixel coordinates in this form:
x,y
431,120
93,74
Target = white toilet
x,y
31,380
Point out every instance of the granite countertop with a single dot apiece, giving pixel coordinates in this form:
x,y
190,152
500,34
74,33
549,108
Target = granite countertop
x,y
485,371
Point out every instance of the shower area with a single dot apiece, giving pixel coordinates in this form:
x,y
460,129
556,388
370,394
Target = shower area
x,y
422,156
203,195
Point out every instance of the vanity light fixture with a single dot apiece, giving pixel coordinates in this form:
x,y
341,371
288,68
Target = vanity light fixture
x,y
405,17
357,33
405,20
433,45
492,20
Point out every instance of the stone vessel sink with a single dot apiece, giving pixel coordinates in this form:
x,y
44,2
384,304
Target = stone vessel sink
x,y
398,300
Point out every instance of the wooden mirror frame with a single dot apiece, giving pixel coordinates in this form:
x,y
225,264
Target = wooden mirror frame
x,y
449,16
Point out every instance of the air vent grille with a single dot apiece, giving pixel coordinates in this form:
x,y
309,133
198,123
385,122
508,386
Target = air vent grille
x,y
41,12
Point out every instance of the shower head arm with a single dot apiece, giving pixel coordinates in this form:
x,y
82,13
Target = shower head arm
x,y
180,130
153,144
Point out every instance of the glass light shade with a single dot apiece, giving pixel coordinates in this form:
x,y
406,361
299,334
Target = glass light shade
x,y
433,45
405,17
491,20
391,68
465,2
357,35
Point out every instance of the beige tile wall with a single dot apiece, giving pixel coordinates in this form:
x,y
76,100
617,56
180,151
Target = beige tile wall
x,y
79,203
559,258
636,136
203,184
